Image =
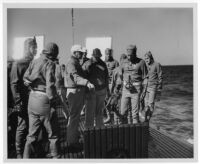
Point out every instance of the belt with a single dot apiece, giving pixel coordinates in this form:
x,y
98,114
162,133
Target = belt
x,y
41,88
134,83
76,87
38,92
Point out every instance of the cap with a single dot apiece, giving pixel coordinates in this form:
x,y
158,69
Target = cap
x,y
51,49
149,54
84,49
131,47
76,47
96,52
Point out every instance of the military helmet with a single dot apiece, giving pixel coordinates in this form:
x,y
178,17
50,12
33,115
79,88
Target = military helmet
x,y
51,50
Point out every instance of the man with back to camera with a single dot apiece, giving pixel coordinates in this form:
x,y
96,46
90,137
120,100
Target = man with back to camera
x,y
132,73
40,77
111,64
21,92
75,83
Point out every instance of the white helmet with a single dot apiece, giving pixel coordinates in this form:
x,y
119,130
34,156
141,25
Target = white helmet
x,y
75,48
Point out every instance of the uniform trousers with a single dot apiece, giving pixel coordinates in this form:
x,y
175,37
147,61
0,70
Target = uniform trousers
x,y
130,104
94,108
41,115
75,98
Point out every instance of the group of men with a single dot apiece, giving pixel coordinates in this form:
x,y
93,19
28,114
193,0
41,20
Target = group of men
x,y
38,85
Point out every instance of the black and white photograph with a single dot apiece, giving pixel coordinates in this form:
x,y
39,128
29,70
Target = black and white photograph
x,y
100,82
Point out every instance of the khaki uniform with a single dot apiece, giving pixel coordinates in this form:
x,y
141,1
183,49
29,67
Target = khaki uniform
x,y
111,65
154,83
132,75
41,75
20,95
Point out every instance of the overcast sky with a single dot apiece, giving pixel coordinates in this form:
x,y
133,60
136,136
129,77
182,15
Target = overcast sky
x,y
165,32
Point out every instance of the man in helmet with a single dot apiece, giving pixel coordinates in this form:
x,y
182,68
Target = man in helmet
x,y
97,74
76,84
111,64
132,72
40,77
21,93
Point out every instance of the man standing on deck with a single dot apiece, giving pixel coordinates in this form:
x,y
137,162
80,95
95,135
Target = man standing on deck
x,y
132,72
97,73
76,85
40,77
154,84
111,64
21,93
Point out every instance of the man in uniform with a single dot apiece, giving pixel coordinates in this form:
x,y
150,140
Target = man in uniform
x,y
97,74
154,84
21,93
133,72
76,84
40,77
111,64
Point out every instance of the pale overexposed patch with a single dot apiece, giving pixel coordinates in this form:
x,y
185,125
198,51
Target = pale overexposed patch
x,y
98,42
18,48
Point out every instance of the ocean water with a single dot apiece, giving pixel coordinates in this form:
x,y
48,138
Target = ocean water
x,y
174,112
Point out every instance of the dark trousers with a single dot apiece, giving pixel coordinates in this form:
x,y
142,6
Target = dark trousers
x,y
21,133
38,120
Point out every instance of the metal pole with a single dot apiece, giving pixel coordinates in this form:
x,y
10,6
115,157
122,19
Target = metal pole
x,y
72,13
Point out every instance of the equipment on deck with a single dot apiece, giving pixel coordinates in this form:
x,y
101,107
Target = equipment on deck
x,y
119,141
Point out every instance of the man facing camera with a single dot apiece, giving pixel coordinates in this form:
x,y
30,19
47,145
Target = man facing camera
x,y
97,74
76,84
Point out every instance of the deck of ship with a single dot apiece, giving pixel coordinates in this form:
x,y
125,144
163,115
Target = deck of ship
x,y
160,145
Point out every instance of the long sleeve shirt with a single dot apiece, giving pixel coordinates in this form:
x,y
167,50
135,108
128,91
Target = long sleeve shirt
x,y
111,65
75,76
155,75
59,74
133,71
115,81
19,90
41,74
97,73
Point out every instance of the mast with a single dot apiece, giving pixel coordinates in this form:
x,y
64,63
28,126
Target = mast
x,y
72,14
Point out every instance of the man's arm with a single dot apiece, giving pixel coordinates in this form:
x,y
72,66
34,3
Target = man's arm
x,y
51,80
72,70
116,64
113,81
27,74
160,77
107,80
144,70
120,75
86,68
14,82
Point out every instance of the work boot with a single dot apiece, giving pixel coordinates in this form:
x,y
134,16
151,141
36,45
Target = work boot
x,y
108,119
19,156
